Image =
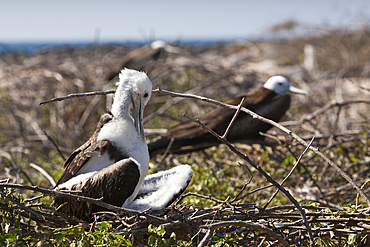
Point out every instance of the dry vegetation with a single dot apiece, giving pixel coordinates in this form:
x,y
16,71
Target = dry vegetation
x,y
336,114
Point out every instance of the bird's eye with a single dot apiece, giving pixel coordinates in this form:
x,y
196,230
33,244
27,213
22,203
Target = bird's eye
x,y
280,83
146,95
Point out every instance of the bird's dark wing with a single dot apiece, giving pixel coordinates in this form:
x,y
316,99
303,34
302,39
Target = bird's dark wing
x,y
261,100
132,60
114,184
82,154
219,119
245,127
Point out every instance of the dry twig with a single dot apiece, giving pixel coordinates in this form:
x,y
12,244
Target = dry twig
x,y
75,95
295,136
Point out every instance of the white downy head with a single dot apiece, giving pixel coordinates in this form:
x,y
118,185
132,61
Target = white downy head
x,y
134,88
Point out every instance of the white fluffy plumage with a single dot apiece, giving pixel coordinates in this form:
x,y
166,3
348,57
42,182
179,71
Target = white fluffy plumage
x,y
161,188
130,82
132,86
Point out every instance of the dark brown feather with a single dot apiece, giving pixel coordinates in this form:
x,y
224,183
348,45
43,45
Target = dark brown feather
x,y
114,184
132,60
261,100
82,154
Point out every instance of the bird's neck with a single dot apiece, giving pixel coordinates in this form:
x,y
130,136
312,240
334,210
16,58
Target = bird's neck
x,y
121,104
122,133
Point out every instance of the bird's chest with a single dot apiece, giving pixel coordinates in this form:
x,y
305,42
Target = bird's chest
x,y
96,162
123,136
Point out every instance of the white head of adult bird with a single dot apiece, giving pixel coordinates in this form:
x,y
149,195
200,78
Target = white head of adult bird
x,y
114,162
279,84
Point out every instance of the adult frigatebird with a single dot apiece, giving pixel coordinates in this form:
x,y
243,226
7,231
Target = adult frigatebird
x,y
137,56
268,101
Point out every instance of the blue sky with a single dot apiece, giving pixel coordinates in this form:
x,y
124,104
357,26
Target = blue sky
x,y
114,20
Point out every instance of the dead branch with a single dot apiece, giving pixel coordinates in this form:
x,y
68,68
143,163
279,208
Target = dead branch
x,y
75,95
358,85
331,105
254,226
289,132
270,179
98,202
44,173
289,174
21,205
189,220
55,145
244,185
233,119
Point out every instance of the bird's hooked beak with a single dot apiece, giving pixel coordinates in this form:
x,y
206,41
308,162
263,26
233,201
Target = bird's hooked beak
x,y
138,112
297,90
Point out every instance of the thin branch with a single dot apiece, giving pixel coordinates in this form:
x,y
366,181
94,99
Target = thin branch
x,y
209,197
271,137
114,215
43,172
358,85
331,105
88,110
286,178
308,172
166,151
75,95
33,198
22,206
191,96
82,198
78,95
289,132
245,185
253,226
322,110
55,145
233,120
171,102
258,168
254,191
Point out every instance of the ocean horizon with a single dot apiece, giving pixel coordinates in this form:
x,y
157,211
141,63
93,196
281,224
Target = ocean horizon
x,y
33,46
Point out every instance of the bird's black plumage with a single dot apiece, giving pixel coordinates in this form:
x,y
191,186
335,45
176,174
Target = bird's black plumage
x,y
113,184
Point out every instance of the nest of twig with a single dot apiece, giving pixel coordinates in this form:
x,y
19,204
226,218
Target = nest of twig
x,y
248,224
